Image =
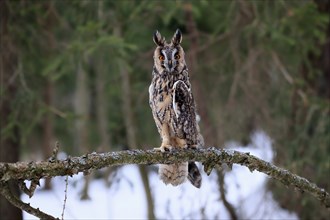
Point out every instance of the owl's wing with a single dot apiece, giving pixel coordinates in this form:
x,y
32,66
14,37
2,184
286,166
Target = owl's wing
x,y
184,109
182,98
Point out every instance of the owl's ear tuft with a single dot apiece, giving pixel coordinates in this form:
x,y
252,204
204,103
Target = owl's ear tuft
x,y
159,41
177,37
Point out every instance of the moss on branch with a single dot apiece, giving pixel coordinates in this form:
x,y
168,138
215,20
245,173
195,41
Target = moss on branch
x,y
209,157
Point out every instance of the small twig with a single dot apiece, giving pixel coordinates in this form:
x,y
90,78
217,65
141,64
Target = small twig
x,y
57,111
288,77
5,191
29,191
282,68
53,158
65,196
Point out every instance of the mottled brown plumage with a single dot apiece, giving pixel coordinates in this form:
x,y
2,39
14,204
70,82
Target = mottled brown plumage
x,y
173,108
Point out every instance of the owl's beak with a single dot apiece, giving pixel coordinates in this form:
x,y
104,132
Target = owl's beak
x,y
169,66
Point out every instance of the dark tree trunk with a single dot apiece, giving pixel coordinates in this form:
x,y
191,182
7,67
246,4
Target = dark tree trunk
x,y
9,144
81,109
47,125
48,24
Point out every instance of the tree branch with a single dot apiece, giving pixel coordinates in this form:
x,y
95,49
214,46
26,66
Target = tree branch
x,y
209,157
5,191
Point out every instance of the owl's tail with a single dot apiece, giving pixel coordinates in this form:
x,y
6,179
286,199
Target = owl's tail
x,y
176,174
194,176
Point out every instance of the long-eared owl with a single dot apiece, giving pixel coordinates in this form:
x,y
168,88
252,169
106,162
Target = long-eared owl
x,y
174,109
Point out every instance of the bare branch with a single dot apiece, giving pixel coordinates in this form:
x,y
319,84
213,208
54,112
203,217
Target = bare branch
x,y
5,191
209,157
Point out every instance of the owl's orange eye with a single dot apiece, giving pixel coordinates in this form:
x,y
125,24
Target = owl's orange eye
x,y
161,58
177,56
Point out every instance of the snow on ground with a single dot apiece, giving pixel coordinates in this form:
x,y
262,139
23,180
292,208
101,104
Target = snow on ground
x,y
125,199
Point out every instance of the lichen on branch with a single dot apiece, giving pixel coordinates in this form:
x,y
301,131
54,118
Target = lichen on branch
x,y
209,157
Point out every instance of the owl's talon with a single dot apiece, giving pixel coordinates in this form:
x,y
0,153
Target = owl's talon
x,y
158,149
194,147
164,148
183,147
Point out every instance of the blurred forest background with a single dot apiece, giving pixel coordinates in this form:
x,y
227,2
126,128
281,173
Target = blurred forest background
x,y
78,72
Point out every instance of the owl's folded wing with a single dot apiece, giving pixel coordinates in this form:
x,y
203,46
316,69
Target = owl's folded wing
x,y
185,112
182,99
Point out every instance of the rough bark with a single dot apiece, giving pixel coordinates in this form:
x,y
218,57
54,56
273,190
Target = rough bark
x,y
210,157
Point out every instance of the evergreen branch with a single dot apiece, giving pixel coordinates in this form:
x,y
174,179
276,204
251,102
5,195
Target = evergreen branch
x,y
209,157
